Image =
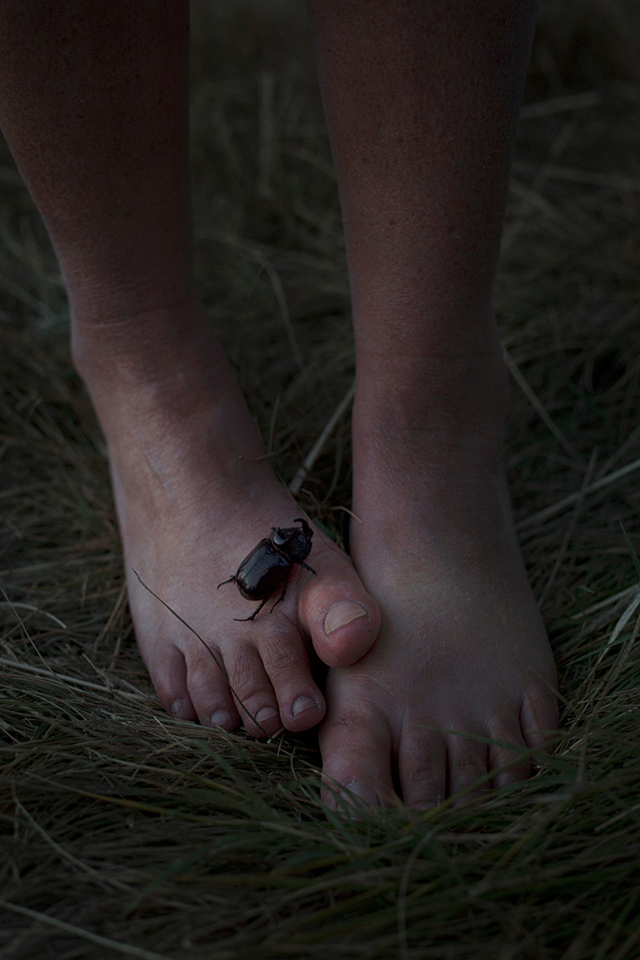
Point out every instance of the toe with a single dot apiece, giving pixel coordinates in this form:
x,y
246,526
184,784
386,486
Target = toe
x,y
467,762
422,768
209,688
300,702
253,692
341,618
539,715
356,752
507,752
168,672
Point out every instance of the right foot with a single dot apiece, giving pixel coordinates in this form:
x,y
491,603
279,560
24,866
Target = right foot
x,y
194,495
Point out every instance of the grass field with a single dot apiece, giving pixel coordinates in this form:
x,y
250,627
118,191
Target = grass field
x,y
126,833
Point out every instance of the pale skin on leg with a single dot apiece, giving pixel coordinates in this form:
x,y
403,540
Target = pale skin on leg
x,y
422,102
461,645
93,103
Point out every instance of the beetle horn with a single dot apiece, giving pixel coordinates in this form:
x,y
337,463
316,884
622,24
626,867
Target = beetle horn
x,y
306,529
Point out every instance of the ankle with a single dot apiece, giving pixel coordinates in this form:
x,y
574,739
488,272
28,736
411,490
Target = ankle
x,y
438,407
161,379
149,340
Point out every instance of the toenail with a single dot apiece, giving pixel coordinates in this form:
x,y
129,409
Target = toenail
x,y
220,717
265,714
341,614
364,793
179,709
301,704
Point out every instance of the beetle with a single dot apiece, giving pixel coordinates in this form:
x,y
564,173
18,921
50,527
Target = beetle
x,y
270,563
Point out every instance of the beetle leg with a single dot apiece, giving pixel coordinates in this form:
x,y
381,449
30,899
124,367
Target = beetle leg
x,y
253,615
307,567
230,580
281,597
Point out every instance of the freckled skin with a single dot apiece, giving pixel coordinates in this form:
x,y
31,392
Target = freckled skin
x,y
421,100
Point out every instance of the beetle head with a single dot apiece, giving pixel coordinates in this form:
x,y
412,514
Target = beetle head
x,y
283,535
288,536
306,529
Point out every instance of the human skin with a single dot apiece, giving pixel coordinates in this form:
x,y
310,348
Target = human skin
x,y
421,102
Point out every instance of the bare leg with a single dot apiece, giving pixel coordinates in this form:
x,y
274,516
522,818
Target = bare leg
x,y
93,102
422,100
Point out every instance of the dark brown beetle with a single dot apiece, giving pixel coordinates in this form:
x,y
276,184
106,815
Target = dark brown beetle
x,y
269,565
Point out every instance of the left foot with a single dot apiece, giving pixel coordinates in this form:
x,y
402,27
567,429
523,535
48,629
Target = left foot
x,y
194,495
462,646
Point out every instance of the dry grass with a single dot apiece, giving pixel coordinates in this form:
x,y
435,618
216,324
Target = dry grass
x,y
126,833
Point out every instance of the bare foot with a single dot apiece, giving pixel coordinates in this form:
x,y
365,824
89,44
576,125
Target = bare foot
x,y
194,495
462,646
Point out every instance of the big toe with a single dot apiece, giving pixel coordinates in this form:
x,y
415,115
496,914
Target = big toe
x,y
355,741
341,618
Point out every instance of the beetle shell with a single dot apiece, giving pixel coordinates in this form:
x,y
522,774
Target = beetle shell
x,y
263,571
268,567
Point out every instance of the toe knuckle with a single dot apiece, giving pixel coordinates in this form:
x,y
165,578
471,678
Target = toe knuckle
x,y
281,662
351,722
420,765
246,680
473,766
469,769
243,669
201,670
277,645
